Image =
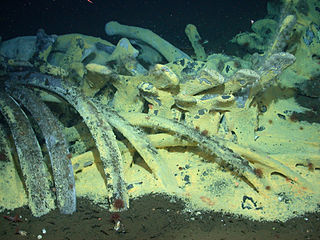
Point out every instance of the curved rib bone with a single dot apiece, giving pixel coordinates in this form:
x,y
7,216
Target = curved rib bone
x,y
105,140
32,165
213,145
56,145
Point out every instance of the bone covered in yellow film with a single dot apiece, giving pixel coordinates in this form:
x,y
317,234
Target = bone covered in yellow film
x,y
221,132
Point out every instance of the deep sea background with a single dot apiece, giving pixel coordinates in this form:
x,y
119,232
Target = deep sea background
x,y
217,20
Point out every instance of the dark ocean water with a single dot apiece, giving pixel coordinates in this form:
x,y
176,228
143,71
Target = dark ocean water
x,y
217,21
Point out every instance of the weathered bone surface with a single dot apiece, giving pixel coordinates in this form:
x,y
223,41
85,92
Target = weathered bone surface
x,y
58,150
33,167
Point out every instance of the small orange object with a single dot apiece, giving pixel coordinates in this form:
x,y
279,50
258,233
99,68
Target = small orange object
x,y
99,219
258,172
204,132
207,200
310,167
118,203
